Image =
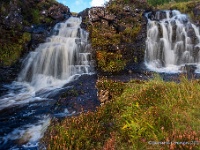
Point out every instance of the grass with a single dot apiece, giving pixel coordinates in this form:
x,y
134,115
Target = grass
x,y
161,2
137,117
110,62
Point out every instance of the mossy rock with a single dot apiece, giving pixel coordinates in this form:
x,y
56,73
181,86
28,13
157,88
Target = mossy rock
x,y
113,37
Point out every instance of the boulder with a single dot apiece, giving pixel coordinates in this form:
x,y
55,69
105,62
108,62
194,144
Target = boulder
x,y
109,17
96,13
58,12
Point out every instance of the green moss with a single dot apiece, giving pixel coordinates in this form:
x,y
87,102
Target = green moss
x,y
11,50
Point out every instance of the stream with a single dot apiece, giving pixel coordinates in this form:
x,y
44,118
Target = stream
x,y
65,63
29,104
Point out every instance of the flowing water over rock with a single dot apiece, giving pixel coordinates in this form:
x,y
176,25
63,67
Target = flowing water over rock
x,y
172,42
25,109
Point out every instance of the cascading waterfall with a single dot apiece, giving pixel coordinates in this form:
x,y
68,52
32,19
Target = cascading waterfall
x,y
62,58
172,41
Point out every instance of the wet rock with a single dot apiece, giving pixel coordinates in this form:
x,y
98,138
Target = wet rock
x,y
79,97
190,70
36,39
78,41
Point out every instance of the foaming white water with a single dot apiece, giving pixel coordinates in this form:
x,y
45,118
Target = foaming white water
x,y
62,56
61,59
172,41
30,134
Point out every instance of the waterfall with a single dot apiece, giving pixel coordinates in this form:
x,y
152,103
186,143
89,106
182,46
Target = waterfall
x,y
62,58
172,42
64,55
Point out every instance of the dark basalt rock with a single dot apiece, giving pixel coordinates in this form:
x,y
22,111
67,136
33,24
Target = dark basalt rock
x,y
79,97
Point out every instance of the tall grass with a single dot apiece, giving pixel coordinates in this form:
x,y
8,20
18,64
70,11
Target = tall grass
x,y
146,115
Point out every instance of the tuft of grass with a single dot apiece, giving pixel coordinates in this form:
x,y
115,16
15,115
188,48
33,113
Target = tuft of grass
x,y
144,115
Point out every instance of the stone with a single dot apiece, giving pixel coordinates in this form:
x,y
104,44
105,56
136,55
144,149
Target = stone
x,y
110,17
96,13
103,96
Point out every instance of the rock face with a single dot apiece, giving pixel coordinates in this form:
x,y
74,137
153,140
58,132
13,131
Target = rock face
x,y
23,25
117,33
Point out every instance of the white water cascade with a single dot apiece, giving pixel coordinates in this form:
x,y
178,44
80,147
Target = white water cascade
x,y
61,59
172,41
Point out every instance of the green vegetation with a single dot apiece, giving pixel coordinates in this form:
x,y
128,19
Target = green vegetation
x,y
33,15
110,62
105,36
13,39
161,2
141,112
11,49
